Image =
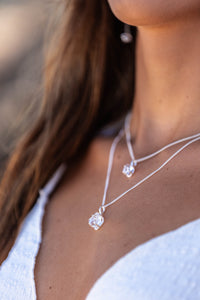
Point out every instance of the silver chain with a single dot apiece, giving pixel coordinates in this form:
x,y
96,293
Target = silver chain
x,y
141,159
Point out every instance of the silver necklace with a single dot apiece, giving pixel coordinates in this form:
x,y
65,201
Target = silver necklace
x,y
97,219
129,169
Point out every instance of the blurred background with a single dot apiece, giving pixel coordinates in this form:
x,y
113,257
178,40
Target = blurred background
x,y
22,36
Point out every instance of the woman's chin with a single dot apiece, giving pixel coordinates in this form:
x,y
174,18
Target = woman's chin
x,y
152,12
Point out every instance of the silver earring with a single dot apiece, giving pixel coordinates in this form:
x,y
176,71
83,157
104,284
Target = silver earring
x,y
126,36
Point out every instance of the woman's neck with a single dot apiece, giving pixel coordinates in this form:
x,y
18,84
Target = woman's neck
x,y
167,95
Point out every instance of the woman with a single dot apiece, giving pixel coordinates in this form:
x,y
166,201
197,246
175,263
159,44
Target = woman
x,y
148,247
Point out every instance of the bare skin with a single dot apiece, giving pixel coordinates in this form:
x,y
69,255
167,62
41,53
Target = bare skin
x,y
166,107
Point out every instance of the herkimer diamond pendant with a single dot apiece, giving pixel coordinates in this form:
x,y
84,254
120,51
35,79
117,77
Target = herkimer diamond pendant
x,y
129,169
96,221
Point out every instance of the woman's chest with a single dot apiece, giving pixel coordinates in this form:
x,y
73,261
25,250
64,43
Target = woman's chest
x,y
73,256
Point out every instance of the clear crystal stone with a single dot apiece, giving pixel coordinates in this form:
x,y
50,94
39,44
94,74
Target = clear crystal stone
x,y
96,221
128,170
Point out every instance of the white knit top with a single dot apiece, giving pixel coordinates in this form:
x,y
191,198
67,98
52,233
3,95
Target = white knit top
x,y
165,268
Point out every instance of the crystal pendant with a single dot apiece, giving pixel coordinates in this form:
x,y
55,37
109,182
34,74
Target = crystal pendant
x,y
96,221
129,169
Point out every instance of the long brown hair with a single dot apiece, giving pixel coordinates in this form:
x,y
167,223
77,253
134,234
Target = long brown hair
x,y
88,83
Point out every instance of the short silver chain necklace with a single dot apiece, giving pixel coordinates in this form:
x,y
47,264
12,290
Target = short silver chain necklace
x,y
97,220
129,169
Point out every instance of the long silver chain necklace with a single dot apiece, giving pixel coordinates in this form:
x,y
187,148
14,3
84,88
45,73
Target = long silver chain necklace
x,y
97,220
129,169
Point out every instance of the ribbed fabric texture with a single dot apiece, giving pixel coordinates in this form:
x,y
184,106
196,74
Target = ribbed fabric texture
x,y
164,268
